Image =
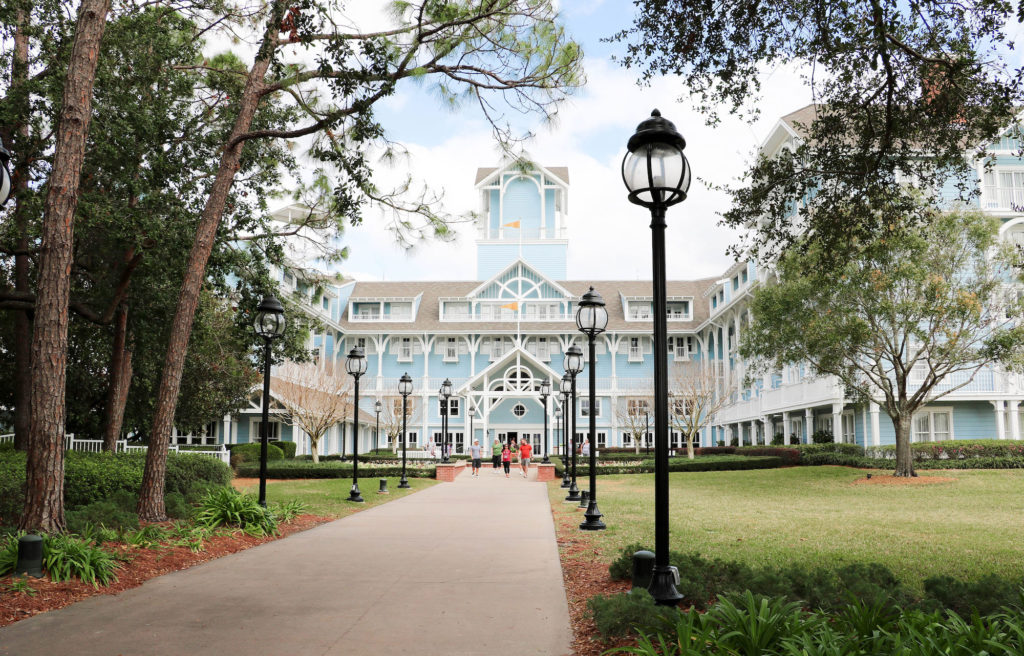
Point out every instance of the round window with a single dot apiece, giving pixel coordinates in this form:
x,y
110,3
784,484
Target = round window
x,y
519,410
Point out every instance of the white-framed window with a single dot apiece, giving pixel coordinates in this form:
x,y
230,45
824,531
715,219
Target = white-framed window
x,y
519,410
823,423
453,406
543,349
498,347
459,441
796,429
208,436
640,310
680,347
411,438
849,430
601,438
289,279
636,353
451,349
273,430
1003,188
637,407
932,425
585,407
325,303
405,350
677,310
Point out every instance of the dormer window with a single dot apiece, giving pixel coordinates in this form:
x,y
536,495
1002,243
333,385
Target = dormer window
x,y
678,310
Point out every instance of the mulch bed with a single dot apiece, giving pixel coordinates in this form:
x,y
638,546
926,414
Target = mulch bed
x,y
585,574
143,565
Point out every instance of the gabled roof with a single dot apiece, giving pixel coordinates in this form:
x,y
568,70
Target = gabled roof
x,y
487,283
800,120
484,173
518,353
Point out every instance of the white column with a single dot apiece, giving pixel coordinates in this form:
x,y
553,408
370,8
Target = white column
x,y
225,438
876,431
767,423
785,428
753,432
1013,415
1000,420
837,422
808,425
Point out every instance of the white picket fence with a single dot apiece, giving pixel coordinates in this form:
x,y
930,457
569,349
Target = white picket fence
x,y
71,443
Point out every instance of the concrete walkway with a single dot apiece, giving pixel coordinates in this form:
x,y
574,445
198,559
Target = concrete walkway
x,y
469,567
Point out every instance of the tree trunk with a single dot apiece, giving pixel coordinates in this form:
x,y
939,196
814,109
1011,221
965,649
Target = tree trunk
x,y
22,322
44,494
904,457
689,447
314,449
151,496
120,379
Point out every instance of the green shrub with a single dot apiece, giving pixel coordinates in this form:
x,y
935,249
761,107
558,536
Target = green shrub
x,y
67,556
287,448
791,456
12,486
822,437
228,507
842,459
794,439
332,469
248,453
832,447
621,614
714,450
286,512
176,506
91,477
779,439
966,463
186,471
953,450
984,596
116,512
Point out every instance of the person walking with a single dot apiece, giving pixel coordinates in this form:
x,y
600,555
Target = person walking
x,y
525,452
496,454
506,459
474,453
585,449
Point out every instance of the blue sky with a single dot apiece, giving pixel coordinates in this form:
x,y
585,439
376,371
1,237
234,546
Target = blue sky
x,y
609,238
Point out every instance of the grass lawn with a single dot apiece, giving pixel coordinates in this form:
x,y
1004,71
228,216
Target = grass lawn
x,y
329,496
818,516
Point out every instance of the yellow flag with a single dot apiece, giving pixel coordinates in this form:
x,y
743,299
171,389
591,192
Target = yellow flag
x,y
513,224
511,306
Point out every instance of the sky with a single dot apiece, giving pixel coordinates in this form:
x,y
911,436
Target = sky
x,y
608,237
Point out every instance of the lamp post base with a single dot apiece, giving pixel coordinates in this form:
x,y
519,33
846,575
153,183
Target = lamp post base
x,y
663,587
354,494
594,522
574,493
566,482
546,460
404,483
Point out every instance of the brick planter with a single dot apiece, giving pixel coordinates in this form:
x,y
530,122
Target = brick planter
x,y
545,473
448,472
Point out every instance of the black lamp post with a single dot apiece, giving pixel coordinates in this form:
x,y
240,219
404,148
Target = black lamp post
x,y
377,407
592,319
405,389
269,325
573,366
444,395
5,175
565,387
355,365
657,174
545,392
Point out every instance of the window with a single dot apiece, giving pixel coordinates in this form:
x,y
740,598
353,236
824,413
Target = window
x,y
273,430
585,408
497,347
396,408
1004,189
823,423
678,310
289,279
849,432
451,350
453,406
797,428
460,442
735,283
602,438
361,343
405,350
369,312
411,438
639,310
207,436
714,302
543,349
636,354
680,407
743,275
636,407
519,410
325,303
680,347
933,425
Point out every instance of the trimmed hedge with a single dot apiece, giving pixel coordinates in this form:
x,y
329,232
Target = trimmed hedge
x,y
831,447
243,453
287,447
789,455
331,469
714,450
953,450
90,477
704,463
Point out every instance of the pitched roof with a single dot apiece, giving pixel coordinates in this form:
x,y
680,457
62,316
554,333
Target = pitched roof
x,y
800,120
428,317
561,172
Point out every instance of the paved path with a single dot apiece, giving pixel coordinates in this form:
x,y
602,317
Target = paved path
x,y
469,567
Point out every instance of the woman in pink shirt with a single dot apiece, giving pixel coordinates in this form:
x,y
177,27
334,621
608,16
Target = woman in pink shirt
x,y
506,459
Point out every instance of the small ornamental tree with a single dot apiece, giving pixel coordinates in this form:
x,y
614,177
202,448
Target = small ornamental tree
x,y
696,395
912,317
314,397
632,415
391,418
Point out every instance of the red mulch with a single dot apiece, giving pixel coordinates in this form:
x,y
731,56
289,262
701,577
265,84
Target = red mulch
x,y
585,574
144,564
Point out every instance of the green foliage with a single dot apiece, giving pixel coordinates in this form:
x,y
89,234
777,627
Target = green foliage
x,y
68,556
754,625
116,512
333,469
790,456
778,439
150,536
984,596
228,507
832,447
621,614
952,449
289,510
20,585
288,448
822,437
250,453
186,471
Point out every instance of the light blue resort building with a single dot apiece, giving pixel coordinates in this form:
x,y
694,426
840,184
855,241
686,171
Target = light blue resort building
x,y
496,339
